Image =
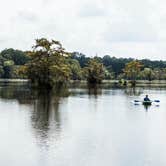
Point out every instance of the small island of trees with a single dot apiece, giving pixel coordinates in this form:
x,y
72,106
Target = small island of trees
x,y
48,64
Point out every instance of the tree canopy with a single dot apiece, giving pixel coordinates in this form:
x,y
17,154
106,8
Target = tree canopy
x,y
48,63
94,71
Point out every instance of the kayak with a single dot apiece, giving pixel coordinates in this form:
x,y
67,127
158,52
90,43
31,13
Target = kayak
x,y
137,102
147,102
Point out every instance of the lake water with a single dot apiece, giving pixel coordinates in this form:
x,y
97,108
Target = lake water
x,y
81,127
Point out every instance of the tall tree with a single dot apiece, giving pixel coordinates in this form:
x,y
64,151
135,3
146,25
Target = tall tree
x,y
132,70
94,71
48,65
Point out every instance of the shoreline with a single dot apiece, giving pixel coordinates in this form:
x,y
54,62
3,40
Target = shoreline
x,y
139,83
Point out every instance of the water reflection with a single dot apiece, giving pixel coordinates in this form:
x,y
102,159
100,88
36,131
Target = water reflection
x,y
41,112
147,107
133,91
46,114
19,92
89,126
94,90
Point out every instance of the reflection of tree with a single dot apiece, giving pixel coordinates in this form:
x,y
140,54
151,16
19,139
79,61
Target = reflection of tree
x,y
40,116
45,111
133,91
94,90
46,115
17,91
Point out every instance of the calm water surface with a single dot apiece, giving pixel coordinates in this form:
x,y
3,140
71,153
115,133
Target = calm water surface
x,y
81,127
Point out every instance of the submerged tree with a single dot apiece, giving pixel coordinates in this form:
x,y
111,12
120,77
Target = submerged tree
x,y
132,70
48,65
94,72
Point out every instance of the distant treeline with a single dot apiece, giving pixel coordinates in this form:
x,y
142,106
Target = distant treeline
x,y
156,69
11,60
116,65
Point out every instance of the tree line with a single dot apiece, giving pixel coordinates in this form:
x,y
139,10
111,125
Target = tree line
x,y
48,63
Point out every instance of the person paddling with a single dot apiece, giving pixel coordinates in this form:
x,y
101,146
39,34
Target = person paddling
x,y
146,98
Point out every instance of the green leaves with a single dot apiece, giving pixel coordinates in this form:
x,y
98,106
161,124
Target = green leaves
x,y
132,69
48,65
8,63
94,71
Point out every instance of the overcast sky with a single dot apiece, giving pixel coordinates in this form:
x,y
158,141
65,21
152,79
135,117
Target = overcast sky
x,y
121,28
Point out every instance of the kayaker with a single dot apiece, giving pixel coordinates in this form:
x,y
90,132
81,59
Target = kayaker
x,y
146,98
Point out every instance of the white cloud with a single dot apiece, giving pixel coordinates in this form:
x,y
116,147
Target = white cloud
x,y
115,27
92,10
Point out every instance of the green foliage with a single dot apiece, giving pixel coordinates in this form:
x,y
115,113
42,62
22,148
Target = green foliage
x,y
1,71
8,63
148,74
116,65
81,58
76,71
8,68
48,65
10,59
132,70
17,56
94,71
160,74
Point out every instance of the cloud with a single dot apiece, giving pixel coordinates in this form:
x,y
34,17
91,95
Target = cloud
x,y
2,41
116,27
27,16
129,30
92,10
139,50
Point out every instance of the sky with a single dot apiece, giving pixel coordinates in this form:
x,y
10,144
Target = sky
x,y
121,28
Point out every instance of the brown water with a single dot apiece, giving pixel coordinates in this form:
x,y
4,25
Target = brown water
x,y
81,127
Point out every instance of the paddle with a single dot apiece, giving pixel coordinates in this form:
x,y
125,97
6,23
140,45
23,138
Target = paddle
x,y
157,101
137,101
